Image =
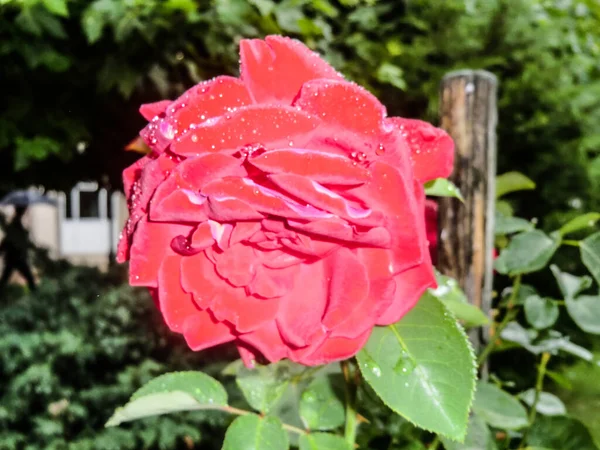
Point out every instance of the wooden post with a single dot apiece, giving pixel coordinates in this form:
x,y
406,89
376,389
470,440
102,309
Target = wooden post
x,y
469,114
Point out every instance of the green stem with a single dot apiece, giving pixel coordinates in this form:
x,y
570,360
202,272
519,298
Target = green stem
x,y
435,443
351,415
510,315
539,386
243,412
570,242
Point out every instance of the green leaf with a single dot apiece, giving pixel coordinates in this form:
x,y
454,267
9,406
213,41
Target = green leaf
x,y
321,405
548,404
479,437
456,301
525,291
553,341
504,207
590,254
323,441
570,285
441,187
58,7
585,312
540,312
172,392
423,368
27,22
580,223
527,252
92,22
560,432
508,225
391,74
498,408
251,432
512,182
263,386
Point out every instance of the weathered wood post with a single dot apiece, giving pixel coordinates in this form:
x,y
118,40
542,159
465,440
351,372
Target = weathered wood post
x,y
468,113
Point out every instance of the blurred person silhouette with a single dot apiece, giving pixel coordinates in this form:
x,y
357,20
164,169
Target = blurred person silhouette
x,y
15,247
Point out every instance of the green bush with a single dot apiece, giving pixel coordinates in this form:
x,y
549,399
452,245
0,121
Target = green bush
x,y
78,348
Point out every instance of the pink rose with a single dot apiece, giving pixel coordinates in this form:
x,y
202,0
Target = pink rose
x,y
281,210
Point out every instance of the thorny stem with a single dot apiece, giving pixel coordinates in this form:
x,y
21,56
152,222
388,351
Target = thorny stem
x,y
243,412
351,415
510,315
539,385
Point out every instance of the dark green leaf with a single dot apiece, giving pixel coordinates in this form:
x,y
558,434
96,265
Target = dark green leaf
x,y
508,225
498,408
590,254
479,437
527,252
512,182
570,285
321,405
391,74
564,433
323,441
251,432
423,368
580,223
92,22
548,404
585,312
172,392
442,187
540,312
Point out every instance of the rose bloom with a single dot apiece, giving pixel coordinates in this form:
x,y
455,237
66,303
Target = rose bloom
x,y
281,210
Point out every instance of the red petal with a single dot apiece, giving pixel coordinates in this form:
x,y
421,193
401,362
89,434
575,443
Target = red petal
x,y
207,100
391,193
301,310
271,283
226,302
332,349
260,198
267,341
151,110
275,69
410,285
320,197
203,331
320,167
175,304
204,101
243,231
227,209
202,237
343,104
151,243
348,287
269,126
432,150
236,265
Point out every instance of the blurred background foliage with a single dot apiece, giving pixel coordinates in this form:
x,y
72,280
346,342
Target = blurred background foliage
x,y
74,73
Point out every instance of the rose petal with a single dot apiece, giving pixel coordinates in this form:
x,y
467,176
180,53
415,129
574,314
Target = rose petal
x,y
151,243
301,310
332,349
275,69
348,286
151,110
271,283
175,304
432,150
236,265
267,340
317,166
203,331
389,191
243,231
202,237
266,125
